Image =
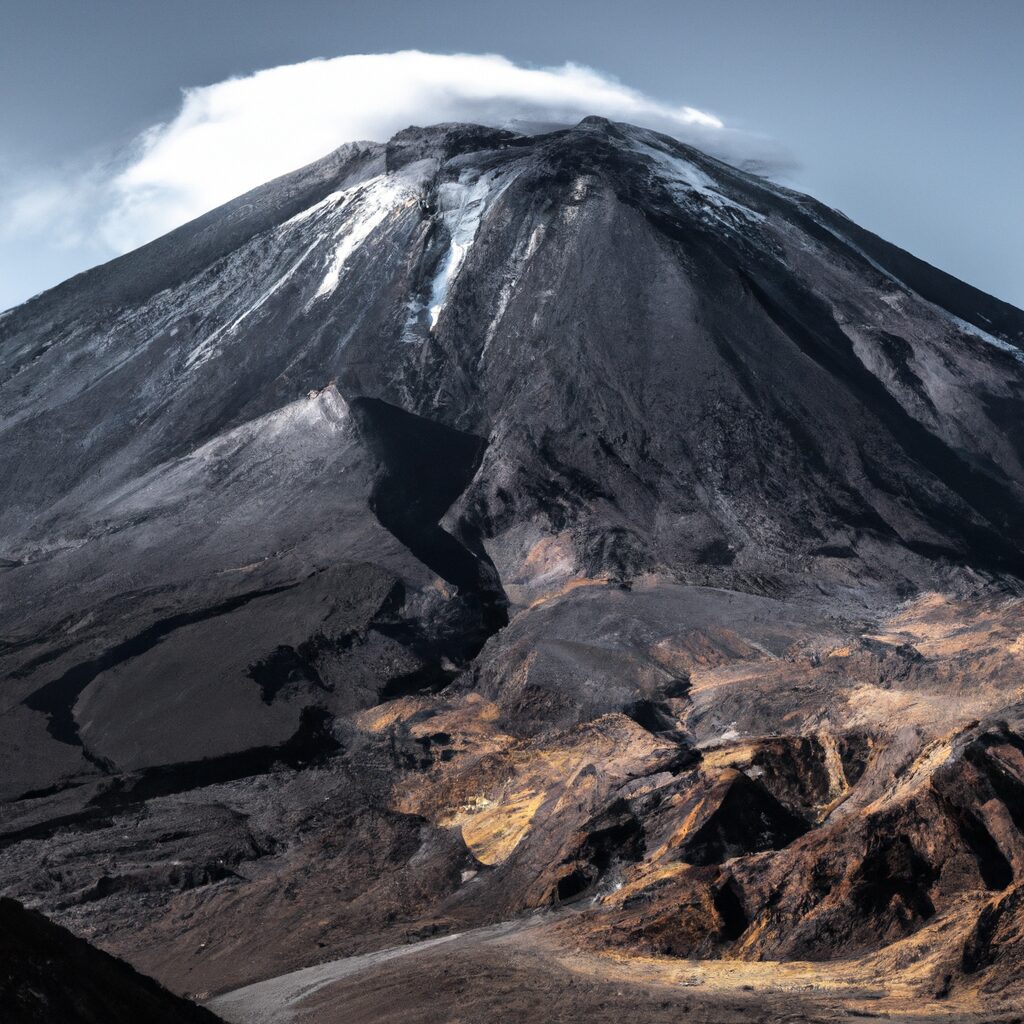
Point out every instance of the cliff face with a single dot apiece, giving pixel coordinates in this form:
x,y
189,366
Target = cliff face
x,y
499,521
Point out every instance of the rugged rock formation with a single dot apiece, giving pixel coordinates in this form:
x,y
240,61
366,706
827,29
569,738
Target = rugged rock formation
x,y
480,523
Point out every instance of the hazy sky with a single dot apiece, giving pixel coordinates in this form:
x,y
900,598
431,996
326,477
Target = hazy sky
x,y
908,115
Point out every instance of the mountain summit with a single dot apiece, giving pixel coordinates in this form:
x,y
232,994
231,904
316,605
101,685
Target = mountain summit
x,y
674,363
502,521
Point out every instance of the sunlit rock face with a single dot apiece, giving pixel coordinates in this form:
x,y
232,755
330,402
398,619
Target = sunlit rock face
x,y
481,522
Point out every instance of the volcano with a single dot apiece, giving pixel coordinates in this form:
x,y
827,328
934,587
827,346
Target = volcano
x,y
545,574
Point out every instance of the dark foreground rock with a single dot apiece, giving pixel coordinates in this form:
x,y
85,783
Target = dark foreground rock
x,y
48,976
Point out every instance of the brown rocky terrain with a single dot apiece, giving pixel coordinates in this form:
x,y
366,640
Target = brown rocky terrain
x,y
765,816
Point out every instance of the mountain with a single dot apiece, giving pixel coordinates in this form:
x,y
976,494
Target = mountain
x,y
481,522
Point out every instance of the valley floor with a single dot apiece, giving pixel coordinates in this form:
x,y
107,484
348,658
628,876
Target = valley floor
x,y
523,971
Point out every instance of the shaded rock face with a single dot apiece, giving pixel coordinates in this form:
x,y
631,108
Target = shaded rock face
x,y
48,975
476,523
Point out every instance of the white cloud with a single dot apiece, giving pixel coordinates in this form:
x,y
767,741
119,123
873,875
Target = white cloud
x,y
234,135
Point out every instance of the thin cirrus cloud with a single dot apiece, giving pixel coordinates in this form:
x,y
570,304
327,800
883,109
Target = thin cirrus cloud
x,y
232,136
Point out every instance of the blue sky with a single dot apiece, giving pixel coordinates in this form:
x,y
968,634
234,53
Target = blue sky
x,y
907,115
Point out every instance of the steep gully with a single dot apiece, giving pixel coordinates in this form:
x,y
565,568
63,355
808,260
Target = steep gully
x,y
423,467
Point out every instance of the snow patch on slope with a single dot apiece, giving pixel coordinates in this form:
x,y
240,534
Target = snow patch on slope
x,y
206,348
856,248
329,231
317,208
507,289
686,181
367,205
991,339
461,204
964,326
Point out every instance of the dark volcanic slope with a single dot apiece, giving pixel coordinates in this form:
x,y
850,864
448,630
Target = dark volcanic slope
x,y
632,359
631,323
676,362
454,521
47,976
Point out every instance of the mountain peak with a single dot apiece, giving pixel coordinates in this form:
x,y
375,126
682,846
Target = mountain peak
x,y
434,279
481,521
594,121
444,141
